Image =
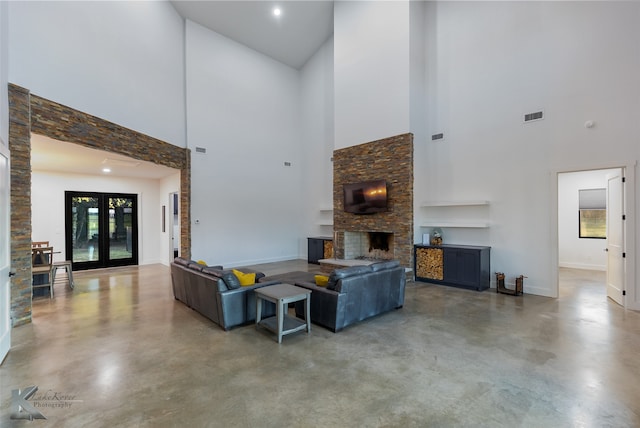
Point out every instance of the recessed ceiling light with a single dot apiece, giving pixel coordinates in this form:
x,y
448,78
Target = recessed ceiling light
x,y
106,170
277,11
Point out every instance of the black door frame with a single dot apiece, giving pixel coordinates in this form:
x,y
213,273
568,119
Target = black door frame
x,y
103,228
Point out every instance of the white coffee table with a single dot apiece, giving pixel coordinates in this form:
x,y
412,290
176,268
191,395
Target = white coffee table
x,y
282,295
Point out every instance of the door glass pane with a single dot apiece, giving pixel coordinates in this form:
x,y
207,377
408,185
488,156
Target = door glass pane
x,y
120,228
85,228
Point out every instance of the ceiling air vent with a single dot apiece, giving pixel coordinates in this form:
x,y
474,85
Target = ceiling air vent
x,y
435,137
530,117
201,150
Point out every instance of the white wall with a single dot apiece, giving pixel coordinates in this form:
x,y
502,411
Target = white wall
x,y
491,62
120,61
243,108
317,145
574,252
4,73
48,215
418,73
371,71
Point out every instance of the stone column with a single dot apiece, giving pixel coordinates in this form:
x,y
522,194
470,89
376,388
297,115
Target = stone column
x,y
20,147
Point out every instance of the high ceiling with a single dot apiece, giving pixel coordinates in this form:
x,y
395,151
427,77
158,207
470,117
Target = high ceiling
x,y
291,38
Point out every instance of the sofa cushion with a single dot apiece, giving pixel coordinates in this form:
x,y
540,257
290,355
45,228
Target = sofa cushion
x,y
217,272
338,274
213,270
196,266
230,280
244,278
384,265
182,262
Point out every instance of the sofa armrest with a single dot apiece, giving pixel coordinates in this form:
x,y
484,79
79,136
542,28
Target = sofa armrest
x,y
313,287
327,306
238,306
246,288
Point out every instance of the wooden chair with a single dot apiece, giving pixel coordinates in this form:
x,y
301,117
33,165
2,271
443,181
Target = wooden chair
x,y
39,244
42,263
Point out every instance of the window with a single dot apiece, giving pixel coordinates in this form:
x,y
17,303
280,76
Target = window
x,y
592,213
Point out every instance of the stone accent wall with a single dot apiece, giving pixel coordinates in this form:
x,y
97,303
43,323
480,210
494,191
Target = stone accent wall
x,y
31,113
390,159
66,124
20,151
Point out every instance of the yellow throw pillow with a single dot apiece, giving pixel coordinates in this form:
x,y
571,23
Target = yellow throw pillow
x,y
321,280
245,278
202,262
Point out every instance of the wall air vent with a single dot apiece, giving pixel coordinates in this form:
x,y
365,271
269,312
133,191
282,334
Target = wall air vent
x,y
537,115
435,137
201,150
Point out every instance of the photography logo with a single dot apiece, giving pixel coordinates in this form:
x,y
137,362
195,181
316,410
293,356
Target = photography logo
x,y
25,403
21,408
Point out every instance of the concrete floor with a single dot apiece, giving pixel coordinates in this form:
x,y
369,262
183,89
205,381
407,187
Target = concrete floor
x,y
119,351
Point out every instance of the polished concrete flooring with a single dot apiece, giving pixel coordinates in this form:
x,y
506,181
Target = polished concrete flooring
x,y
119,351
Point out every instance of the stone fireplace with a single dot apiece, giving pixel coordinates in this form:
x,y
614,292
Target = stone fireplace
x,y
384,235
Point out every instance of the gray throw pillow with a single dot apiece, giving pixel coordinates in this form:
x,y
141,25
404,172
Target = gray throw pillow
x,y
231,280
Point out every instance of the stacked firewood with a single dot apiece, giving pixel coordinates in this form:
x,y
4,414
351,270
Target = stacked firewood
x,y
429,263
328,250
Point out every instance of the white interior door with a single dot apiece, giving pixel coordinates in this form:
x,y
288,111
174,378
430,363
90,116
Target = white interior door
x,y
5,280
615,238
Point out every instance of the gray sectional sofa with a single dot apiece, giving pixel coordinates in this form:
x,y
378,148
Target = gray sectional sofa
x,y
216,293
353,294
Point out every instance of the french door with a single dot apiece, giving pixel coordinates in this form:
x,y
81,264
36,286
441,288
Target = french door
x,y
101,229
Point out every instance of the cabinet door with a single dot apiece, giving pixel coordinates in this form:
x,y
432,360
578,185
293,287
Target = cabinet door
x,y
315,250
462,267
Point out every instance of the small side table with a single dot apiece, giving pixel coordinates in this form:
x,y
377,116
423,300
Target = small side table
x,y
282,295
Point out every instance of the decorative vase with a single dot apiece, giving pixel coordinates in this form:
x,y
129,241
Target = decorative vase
x,y
436,237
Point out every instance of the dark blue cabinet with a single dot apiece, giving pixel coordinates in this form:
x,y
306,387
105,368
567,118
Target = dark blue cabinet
x,y
465,266
317,249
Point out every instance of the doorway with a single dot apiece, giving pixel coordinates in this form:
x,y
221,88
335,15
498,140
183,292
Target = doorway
x,y
5,254
588,226
101,229
174,225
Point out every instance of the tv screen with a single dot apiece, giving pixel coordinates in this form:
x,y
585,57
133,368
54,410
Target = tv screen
x,y
367,197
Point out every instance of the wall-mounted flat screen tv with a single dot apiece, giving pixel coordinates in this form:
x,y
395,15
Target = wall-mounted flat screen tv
x,y
367,197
